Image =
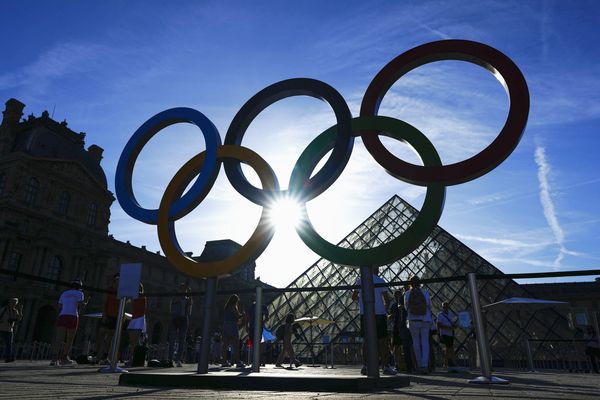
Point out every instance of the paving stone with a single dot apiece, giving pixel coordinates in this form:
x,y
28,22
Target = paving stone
x,y
37,380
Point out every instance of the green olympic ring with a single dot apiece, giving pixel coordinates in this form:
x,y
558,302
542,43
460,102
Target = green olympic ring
x,y
400,246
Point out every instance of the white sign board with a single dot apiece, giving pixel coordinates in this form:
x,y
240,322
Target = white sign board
x,y
129,280
464,319
581,319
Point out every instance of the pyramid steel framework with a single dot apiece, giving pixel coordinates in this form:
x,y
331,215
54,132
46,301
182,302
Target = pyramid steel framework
x,y
440,255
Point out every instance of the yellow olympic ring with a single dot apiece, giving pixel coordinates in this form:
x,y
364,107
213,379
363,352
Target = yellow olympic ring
x,y
259,239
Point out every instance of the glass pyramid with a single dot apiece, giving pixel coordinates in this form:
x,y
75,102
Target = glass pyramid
x,y
440,255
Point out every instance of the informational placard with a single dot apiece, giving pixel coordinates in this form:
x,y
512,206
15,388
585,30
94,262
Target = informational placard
x,y
464,319
581,319
129,280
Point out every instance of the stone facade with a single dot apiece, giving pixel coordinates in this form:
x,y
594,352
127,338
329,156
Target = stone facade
x,y
583,297
54,223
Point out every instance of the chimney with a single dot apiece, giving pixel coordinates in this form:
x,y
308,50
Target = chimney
x,y
12,113
96,153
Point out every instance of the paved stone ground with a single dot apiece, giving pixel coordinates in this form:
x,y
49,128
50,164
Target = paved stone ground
x,y
37,380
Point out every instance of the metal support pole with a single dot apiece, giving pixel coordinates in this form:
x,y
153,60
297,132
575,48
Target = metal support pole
x,y
209,301
368,300
116,341
529,356
482,343
198,347
596,327
257,334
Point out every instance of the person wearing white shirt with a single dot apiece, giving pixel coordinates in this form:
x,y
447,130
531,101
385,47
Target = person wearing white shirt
x,y
382,300
67,322
418,305
445,323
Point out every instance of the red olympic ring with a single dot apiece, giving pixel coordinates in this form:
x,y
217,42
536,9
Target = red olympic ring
x,y
489,158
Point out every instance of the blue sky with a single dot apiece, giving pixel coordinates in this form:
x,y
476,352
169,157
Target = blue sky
x,y
108,66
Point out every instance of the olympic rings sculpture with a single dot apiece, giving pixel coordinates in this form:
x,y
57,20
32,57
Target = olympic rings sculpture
x,y
338,139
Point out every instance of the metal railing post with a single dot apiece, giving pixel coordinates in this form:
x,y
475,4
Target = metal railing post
x,y
368,300
482,343
116,340
596,327
529,355
257,334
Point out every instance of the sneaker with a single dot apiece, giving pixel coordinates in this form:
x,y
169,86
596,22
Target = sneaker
x,y
178,364
298,364
279,365
53,363
363,371
389,371
68,361
240,365
226,364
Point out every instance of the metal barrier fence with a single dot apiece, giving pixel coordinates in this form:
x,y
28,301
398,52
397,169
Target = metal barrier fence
x,y
567,355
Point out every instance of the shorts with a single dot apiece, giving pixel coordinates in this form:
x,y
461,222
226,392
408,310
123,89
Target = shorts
x,y
448,341
109,323
67,321
137,324
380,325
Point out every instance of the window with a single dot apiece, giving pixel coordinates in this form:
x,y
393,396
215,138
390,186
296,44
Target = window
x,y
53,272
63,203
14,261
92,211
13,264
2,182
31,191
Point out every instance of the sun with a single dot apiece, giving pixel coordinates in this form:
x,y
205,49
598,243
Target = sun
x,y
285,213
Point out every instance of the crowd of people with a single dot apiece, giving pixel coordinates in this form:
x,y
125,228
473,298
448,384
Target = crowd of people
x,y
408,346
405,326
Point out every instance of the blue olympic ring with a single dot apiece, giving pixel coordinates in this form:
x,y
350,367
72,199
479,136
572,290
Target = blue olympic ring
x,y
138,140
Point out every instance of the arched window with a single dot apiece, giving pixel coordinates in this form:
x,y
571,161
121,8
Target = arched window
x,y
92,212
53,272
2,182
31,191
63,203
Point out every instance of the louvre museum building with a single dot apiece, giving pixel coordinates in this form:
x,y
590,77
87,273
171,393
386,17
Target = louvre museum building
x,y
54,223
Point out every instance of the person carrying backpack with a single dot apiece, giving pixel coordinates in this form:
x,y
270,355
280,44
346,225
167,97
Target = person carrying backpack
x,y
418,305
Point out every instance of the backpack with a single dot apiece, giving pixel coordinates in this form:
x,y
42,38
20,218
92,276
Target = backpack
x,y
416,302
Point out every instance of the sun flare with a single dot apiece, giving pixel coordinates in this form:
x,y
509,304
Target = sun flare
x,y
285,213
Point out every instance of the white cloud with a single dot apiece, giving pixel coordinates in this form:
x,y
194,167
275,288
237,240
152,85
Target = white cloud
x,y
508,244
54,63
548,204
